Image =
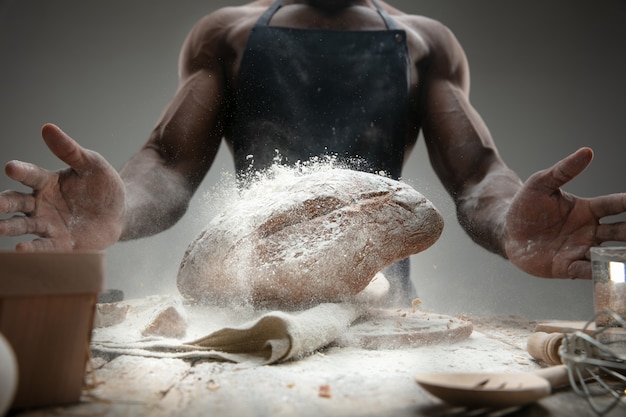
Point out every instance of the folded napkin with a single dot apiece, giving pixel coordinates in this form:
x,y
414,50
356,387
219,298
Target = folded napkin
x,y
273,337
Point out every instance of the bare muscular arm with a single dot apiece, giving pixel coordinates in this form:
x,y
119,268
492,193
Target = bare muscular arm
x,y
540,228
162,177
460,146
89,205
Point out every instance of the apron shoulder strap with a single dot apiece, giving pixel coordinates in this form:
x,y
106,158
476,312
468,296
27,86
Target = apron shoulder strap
x,y
389,22
267,16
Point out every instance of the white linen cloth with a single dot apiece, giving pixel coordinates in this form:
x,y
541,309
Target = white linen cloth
x,y
273,337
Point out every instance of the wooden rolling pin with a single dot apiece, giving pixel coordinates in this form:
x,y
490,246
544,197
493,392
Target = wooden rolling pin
x,y
545,347
545,342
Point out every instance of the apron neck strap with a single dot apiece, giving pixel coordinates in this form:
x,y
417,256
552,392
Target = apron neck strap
x,y
265,18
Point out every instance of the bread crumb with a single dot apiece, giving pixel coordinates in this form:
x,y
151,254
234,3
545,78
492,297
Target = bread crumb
x,y
168,323
109,314
325,391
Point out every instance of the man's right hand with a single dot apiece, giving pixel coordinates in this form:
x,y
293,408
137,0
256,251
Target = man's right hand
x,y
80,207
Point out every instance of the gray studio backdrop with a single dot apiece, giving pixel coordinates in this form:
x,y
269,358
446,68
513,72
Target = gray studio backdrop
x,y
547,76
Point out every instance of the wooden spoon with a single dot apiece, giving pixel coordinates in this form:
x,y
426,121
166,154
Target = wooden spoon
x,y
494,389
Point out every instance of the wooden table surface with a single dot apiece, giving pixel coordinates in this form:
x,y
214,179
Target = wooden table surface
x,y
337,381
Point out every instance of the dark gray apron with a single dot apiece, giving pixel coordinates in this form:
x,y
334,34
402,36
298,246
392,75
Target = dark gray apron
x,y
303,93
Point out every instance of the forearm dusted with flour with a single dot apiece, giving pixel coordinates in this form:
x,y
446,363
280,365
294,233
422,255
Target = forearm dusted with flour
x,y
156,196
482,208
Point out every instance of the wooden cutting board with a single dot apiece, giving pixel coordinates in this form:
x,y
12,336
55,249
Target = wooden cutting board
x,y
404,328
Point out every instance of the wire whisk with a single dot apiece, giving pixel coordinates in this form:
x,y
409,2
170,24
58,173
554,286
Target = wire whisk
x,y
596,361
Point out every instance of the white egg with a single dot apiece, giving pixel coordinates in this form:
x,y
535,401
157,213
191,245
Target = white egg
x,y
8,375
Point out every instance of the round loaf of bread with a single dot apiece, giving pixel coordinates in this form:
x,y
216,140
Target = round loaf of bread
x,y
318,237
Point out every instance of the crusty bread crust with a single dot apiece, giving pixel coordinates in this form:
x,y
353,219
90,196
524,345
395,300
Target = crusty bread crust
x,y
318,238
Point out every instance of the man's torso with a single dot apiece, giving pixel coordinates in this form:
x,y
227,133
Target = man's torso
x,y
357,18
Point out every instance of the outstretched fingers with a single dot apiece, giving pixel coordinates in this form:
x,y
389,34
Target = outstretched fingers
x,y
605,206
64,147
21,225
580,269
611,232
38,245
28,174
565,170
608,205
16,202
